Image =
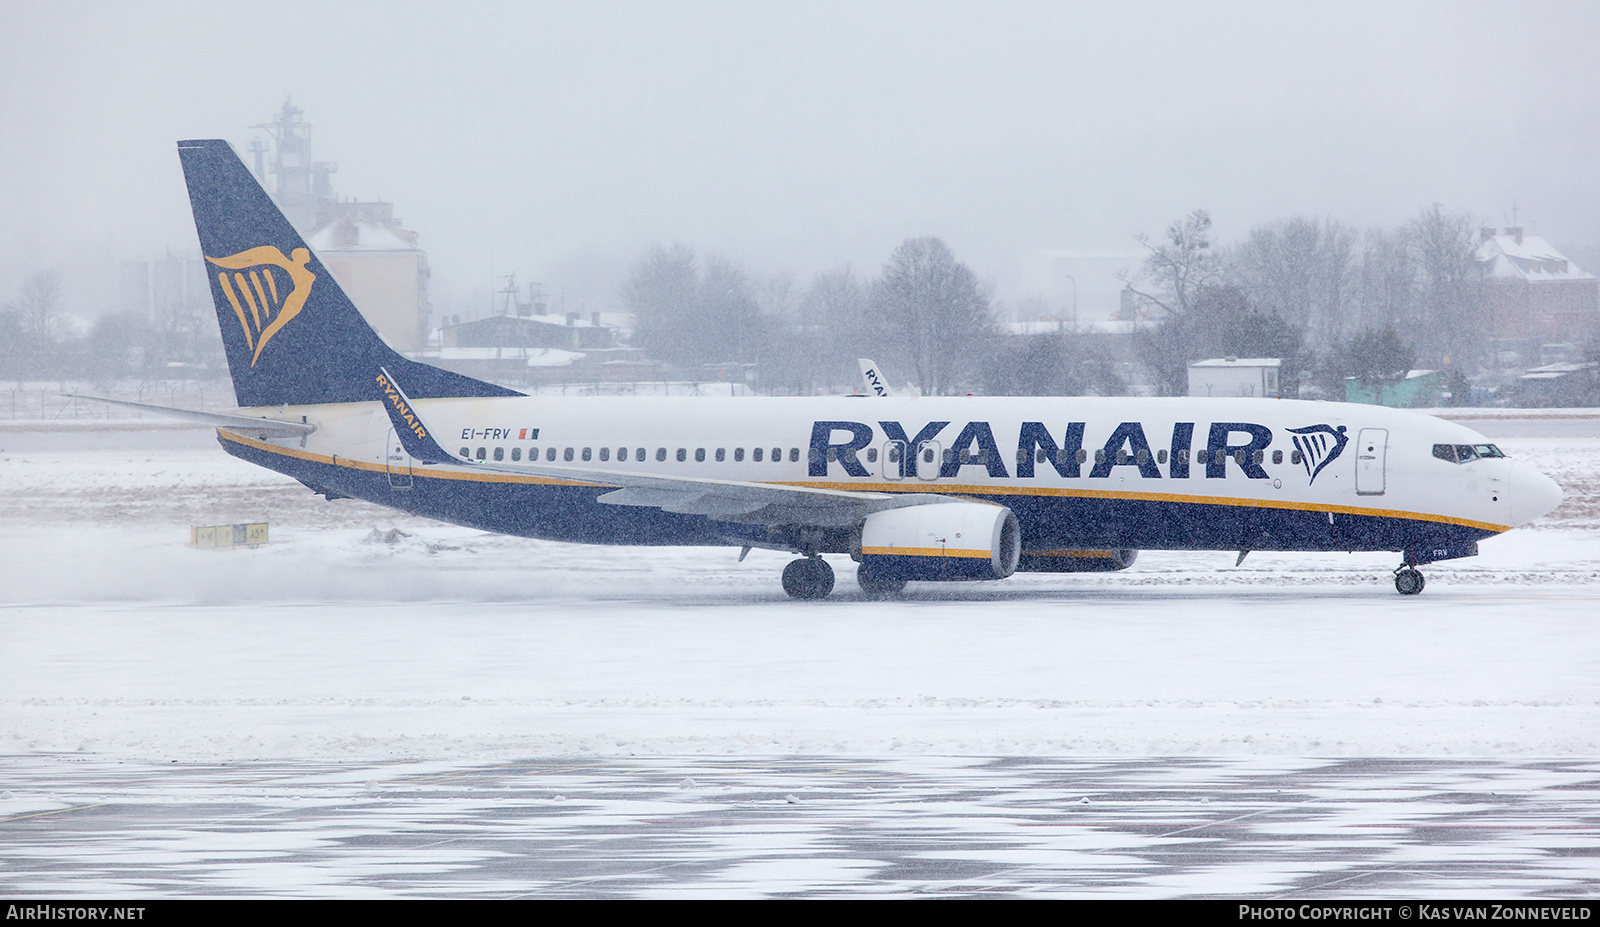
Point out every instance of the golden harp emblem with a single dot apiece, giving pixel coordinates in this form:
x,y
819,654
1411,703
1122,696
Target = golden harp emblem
x,y
265,289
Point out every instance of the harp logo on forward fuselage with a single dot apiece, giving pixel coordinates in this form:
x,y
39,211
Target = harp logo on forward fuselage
x,y
265,289
1319,445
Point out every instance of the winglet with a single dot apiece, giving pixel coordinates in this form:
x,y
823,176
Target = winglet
x,y
873,380
408,424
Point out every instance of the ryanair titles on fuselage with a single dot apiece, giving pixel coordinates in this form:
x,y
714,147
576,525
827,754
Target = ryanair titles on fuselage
x,y
1243,443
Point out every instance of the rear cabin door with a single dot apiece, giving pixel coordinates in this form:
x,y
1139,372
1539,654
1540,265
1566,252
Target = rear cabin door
x,y
397,462
1370,453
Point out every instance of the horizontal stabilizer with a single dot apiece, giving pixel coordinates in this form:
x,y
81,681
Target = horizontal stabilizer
x,y
269,427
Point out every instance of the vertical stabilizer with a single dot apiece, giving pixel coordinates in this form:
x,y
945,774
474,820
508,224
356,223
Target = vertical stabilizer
x,y
292,336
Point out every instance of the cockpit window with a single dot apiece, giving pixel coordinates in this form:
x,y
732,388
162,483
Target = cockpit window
x,y
1465,453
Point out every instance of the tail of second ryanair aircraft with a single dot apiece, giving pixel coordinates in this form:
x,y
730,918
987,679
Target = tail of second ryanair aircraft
x,y
292,336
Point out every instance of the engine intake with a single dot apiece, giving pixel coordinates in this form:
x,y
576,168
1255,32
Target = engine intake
x,y
944,541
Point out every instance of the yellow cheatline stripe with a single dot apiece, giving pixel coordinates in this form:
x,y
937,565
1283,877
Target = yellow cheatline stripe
x,y
924,552
941,489
1240,502
1078,554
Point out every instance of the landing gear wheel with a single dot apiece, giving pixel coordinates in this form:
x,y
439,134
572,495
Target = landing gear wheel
x,y
877,586
808,578
1407,581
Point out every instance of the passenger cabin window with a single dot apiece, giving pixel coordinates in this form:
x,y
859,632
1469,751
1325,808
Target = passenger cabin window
x,y
516,453
738,455
794,455
699,455
466,452
872,455
722,454
1294,456
755,455
550,453
1161,456
566,454
1277,457
605,454
499,453
682,455
661,454
482,453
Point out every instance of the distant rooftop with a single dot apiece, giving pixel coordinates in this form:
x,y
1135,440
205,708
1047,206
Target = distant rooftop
x,y
1239,362
1513,255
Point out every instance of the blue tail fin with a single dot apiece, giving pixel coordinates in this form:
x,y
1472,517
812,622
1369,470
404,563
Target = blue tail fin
x,y
292,336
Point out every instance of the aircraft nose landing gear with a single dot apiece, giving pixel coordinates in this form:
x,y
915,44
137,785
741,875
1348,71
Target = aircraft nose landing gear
x,y
808,578
1407,581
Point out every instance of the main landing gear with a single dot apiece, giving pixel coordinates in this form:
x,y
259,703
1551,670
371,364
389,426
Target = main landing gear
x,y
808,578
1407,581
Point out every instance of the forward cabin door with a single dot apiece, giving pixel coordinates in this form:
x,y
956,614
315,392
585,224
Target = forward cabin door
x,y
397,462
1370,453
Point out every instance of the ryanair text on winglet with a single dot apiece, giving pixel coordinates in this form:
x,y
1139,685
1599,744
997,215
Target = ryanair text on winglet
x,y
393,395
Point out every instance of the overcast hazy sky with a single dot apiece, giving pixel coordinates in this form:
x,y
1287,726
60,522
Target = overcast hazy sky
x,y
559,140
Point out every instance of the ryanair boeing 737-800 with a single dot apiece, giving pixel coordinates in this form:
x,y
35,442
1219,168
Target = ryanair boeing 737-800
x,y
912,488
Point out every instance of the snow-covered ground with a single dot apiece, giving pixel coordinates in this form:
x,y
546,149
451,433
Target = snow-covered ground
x,y
361,636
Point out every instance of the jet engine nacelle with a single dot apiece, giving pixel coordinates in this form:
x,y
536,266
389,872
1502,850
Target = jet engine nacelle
x,y
1076,561
950,541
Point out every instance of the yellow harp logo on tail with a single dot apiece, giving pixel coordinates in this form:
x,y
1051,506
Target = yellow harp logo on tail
x,y
265,289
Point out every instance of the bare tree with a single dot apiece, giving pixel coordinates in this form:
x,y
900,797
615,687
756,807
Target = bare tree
x,y
1176,269
1449,324
1301,270
661,293
1062,363
1385,281
934,314
39,303
821,335
692,318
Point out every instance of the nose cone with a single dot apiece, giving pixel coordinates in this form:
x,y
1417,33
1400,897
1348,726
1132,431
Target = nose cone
x,y
1532,494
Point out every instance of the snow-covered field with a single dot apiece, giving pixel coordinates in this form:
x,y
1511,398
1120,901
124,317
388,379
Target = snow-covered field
x,y
360,636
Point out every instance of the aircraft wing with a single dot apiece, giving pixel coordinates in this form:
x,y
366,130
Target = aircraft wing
x,y
728,500
246,424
